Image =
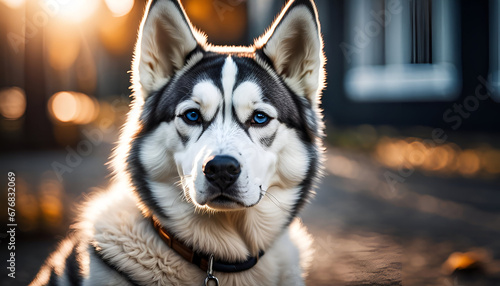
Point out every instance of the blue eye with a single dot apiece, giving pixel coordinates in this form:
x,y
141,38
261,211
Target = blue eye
x,y
260,118
192,116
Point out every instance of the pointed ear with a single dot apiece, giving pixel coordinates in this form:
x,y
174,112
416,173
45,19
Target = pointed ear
x,y
166,38
294,46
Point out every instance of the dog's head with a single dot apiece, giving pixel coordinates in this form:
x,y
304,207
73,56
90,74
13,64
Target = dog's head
x,y
227,124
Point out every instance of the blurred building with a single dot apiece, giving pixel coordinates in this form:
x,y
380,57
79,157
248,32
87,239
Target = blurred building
x,y
410,62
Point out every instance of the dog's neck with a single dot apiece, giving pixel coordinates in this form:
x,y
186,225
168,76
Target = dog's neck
x,y
231,235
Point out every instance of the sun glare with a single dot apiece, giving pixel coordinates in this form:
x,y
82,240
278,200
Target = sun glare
x,y
77,11
13,4
119,8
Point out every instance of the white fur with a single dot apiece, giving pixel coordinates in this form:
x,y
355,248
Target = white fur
x,y
229,71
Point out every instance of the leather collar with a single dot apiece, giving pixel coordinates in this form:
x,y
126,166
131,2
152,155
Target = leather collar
x,y
199,259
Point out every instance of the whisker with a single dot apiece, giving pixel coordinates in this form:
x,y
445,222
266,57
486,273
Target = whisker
x,y
181,182
180,196
275,201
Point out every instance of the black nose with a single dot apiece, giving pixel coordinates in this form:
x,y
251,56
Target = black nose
x,y
222,171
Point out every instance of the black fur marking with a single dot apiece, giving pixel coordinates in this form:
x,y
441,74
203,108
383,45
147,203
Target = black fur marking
x,y
53,278
138,176
206,124
73,268
261,55
308,132
308,183
242,125
268,141
148,118
197,50
223,107
184,139
112,267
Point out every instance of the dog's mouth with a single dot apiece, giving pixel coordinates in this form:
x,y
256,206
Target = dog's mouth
x,y
224,202
231,199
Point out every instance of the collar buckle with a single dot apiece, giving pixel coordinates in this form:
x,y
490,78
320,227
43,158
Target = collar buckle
x,y
210,274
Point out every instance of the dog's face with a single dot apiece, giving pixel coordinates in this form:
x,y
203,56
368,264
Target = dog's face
x,y
227,124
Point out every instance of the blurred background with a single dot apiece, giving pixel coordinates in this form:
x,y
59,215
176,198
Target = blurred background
x,y
411,194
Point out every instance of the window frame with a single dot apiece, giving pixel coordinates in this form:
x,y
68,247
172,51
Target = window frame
x,y
396,78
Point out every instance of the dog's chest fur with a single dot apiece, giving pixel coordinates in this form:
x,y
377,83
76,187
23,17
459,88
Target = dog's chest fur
x,y
128,241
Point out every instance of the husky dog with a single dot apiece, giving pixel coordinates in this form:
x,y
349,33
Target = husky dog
x,y
220,151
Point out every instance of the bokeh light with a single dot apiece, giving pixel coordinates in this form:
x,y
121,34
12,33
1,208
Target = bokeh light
x,y
437,159
77,11
12,103
444,159
64,106
491,161
468,162
119,8
416,153
73,107
390,152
